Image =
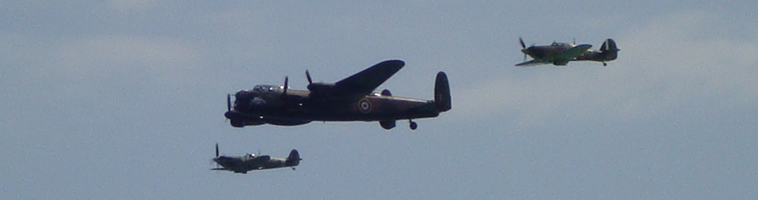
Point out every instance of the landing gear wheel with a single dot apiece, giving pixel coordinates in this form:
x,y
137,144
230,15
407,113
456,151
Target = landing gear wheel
x,y
604,64
413,125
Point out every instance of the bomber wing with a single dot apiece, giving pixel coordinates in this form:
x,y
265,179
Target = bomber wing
x,y
366,81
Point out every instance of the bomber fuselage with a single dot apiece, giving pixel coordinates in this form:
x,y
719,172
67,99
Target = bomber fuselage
x,y
269,102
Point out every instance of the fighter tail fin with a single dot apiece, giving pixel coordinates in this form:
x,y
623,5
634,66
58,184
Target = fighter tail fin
x,y
293,159
442,97
609,51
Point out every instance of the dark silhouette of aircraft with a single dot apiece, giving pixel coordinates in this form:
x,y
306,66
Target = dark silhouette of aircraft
x,y
248,162
561,53
350,99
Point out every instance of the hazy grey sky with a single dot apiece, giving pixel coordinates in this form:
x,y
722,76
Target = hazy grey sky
x,y
125,99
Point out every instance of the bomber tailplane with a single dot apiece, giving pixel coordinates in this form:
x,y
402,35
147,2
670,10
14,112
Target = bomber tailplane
x,y
442,98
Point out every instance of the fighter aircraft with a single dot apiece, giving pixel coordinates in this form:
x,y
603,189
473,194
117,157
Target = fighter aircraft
x,y
250,162
350,99
561,53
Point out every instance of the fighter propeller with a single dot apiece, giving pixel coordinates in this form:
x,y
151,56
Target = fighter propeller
x,y
523,47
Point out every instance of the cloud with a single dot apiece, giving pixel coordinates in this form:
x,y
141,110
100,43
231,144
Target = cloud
x,y
105,60
128,6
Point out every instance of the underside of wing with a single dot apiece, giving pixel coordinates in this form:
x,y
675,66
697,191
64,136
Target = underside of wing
x,y
532,63
368,80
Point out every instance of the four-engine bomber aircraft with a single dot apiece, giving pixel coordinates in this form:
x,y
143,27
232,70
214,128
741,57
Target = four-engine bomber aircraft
x,y
561,53
350,99
250,162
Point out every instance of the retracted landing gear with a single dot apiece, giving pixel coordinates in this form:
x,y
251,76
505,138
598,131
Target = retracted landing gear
x,y
414,125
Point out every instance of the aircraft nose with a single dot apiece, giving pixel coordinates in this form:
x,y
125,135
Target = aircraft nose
x,y
240,94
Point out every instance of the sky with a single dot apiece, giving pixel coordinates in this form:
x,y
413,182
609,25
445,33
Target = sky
x,y
122,99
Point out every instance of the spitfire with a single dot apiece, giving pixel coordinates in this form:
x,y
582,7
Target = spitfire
x,y
248,162
350,99
560,54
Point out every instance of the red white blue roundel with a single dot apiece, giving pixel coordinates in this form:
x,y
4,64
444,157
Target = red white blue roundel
x,y
364,106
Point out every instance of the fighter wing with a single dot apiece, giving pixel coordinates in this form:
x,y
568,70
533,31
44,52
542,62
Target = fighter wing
x,y
258,162
366,81
532,63
572,53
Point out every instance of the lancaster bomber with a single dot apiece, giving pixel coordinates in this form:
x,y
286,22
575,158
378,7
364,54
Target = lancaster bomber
x,y
350,99
560,54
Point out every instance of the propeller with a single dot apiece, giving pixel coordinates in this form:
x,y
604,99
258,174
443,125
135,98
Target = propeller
x,y
228,102
523,47
308,75
286,85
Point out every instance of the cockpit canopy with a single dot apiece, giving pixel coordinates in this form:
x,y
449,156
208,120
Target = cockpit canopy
x,y
562,45
268,88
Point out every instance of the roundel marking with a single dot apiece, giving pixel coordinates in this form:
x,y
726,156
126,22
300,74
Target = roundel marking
x,y
364,106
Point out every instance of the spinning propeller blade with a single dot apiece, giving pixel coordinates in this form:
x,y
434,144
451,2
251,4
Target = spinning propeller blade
x,y
523,47
228,102
286,85
308,75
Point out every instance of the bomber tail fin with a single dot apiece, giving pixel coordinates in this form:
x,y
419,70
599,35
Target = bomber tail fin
x,y
442,98
294,159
